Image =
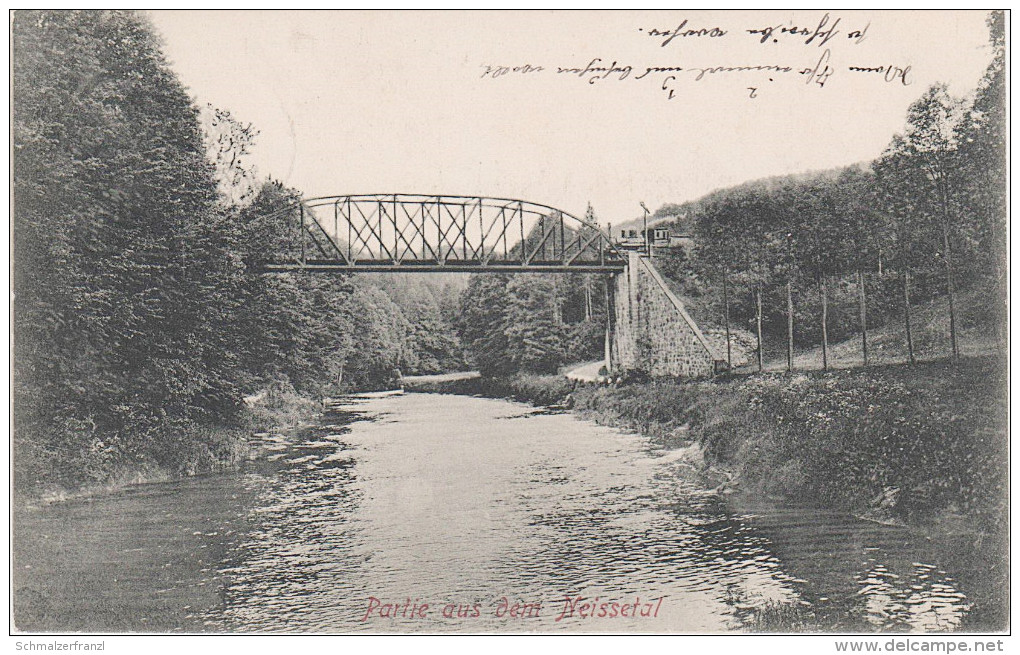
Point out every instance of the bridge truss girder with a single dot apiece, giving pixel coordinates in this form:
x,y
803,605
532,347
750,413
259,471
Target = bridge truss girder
x,y
420,233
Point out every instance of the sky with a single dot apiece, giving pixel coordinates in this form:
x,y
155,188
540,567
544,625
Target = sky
x,y
431,103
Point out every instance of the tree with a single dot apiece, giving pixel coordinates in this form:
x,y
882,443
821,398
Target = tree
x,y
982,166
379,330
834,237
787,262
229,144
430,344
860,236
534,331
932,137
738,239
482,322
905,213
119,268
304,329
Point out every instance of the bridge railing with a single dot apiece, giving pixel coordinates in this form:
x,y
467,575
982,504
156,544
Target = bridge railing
x,y
384,232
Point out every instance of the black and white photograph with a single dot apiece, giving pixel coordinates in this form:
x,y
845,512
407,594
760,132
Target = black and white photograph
x,y
510,322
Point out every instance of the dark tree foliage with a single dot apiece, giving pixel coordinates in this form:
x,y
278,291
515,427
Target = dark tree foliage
x,y
482,321
118,262
533,329
293,325
428,309
983,165
532,322
141,315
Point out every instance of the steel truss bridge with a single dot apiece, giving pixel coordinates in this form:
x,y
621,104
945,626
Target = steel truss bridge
x,y
408,233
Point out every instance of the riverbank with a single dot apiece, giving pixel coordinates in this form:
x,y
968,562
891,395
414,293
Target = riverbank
x,y
560,505
896,443
921,446
197,451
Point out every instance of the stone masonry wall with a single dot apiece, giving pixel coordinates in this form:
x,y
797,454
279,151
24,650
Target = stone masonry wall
x,y
653,332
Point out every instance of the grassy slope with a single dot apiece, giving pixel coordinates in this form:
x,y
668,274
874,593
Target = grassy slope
x,y
887,344
925,446
911,444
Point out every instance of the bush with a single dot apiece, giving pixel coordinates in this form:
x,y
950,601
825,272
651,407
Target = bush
x,y
896,443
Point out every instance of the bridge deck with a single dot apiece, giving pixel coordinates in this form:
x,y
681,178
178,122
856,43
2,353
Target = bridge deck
x,y
426,266
415,233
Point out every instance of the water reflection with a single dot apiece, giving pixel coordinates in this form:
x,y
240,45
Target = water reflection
x,y
498,516
474,505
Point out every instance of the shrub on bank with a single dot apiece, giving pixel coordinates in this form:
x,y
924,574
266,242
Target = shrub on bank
x,y
538,389
894,443
171,448
899,443
279,404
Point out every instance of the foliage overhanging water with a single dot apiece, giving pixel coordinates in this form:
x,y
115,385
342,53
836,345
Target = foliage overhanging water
x,y
471,506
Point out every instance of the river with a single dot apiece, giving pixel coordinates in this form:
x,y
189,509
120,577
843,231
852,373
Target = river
x,y
496,515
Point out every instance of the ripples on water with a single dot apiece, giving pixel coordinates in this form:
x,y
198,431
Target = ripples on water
x,y
462,502
429,499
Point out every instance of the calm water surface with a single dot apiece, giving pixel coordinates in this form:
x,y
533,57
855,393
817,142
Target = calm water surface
x,y
472,506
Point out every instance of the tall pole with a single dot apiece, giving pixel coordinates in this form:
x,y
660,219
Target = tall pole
x,y
949,282
864,314
825,325
906,314
301,232
587,297
757,297
603,244
726,320
609,324
563,240
648,242
789,325
789,306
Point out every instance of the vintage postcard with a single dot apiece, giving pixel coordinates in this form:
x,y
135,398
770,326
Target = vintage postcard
x,y
502,322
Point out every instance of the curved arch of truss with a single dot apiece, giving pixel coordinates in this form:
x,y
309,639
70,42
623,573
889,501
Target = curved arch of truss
x,y
415,232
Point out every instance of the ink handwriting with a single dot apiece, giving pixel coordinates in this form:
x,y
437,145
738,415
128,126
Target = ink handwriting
x,y
889,73
679,31
757,77
499,71
773,32
595,73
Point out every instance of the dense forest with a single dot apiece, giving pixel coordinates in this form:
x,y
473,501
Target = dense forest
x,y
140,322
527,322
532,322
789,263
816,258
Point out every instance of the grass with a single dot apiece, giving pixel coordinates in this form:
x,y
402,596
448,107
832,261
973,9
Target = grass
x,y
916,444
924,446
887,344
774,616
188,450
897,443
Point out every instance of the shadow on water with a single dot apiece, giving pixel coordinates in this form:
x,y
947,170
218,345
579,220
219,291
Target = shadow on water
x,y
470,505
144,559
858,575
